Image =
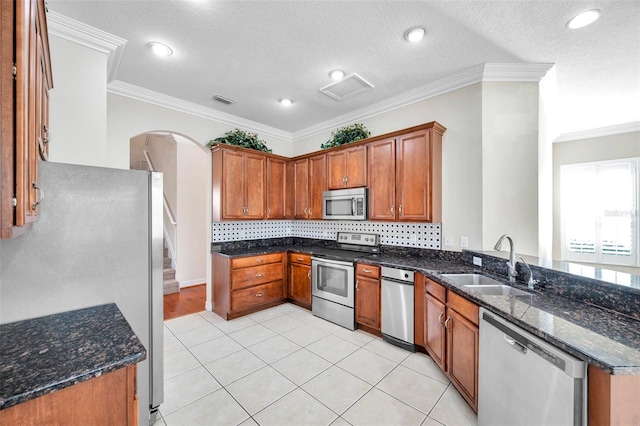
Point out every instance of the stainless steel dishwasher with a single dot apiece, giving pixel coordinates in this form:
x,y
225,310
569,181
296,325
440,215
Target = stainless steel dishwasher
x,y
524,380
397,307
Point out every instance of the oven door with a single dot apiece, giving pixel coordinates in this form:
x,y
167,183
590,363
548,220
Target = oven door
x,y
333,280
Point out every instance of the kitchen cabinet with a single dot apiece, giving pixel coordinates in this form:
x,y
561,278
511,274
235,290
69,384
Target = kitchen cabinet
x,y
612,399
414,160
347,168
25,81
247,284
300,279
108,399
309,184
247,184
277,188
452,337
368,297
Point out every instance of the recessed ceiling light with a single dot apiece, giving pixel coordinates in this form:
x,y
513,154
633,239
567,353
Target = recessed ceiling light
x,y
414,34
286,101
160,49
336,75
584,19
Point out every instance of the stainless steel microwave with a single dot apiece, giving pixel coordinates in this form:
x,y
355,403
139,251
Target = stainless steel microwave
x,y
345,204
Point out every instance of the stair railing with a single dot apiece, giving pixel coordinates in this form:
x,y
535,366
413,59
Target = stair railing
x,y
171,233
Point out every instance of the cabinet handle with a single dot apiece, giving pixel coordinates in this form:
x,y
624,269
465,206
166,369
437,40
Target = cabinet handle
x,y
446,323
259,260
368,271
345,179
268,211
440,319
400,209
40,195
392,208
259,275
357,289
309,274
300,259
259,294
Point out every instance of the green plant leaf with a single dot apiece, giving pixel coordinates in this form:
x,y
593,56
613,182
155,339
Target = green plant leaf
x,y
347,134
241,138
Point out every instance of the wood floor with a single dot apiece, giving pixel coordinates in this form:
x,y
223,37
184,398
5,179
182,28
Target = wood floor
x,y
188,301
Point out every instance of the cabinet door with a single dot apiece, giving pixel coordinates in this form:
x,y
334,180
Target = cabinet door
x,y
254,180
301,188
368,302
337,170
356,166
276,188
413,177
317,185
233,203
462,356
434,332
382,171
300,283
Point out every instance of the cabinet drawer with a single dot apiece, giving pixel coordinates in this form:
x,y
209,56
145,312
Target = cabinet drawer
x,y
245,262
257,295
305,259
367,270
435,289
247,277
467,309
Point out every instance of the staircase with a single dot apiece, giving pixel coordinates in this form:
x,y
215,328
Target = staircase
x,y
170,285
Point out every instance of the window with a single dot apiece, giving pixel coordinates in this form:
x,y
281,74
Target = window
x,y
600,212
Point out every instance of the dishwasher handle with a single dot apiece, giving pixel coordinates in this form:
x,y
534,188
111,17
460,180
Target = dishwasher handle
x,y
525,343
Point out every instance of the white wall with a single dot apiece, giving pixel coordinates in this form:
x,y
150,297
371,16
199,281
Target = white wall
x,y
193,228
128,117
602,148
510,165
78,104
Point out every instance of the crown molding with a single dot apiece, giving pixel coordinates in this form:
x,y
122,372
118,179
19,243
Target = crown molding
x,y
464,78
85,35
139,93
618,129
515,72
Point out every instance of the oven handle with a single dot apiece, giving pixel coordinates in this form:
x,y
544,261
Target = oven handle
x,y
353,206
331,261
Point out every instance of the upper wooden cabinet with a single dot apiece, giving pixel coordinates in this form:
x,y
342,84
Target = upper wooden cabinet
x,y
309,183
25,81
347,168
277,188
414,160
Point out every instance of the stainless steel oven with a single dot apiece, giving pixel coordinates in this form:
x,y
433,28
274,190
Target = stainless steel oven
x,y
333,277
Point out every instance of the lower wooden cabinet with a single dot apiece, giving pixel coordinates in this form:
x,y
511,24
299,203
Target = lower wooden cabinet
x,y
368,296
109,399
300,279
247,284
451,337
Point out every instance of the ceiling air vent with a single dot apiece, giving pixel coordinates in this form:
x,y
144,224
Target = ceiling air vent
x,y
226,101
346,88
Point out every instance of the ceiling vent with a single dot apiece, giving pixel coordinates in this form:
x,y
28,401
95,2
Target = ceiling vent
x,y
226,101
346,88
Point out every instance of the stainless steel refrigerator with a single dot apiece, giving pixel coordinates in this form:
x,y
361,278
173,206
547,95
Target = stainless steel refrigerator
x,y
98,240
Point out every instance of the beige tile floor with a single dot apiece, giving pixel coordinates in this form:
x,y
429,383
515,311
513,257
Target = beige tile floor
x,y
283,366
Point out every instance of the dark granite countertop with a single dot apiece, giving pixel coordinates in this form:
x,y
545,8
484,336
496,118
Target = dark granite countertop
x,y
602,337
41,355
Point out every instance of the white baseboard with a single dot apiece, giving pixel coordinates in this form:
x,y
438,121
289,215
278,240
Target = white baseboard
x,y
208,306
191,283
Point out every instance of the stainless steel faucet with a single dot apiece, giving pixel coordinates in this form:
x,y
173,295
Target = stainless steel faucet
x,y
511,264
531,283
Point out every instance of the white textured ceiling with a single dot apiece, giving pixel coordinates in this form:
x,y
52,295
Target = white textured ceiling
x,y
257,52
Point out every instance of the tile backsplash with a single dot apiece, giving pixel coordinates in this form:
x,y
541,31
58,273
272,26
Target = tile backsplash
x,y
420,235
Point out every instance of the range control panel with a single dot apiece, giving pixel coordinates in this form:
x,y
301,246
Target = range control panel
x,y
371,240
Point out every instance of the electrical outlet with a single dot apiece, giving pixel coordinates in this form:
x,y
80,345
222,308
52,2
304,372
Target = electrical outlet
x,y
243,234
448,240
413,239
477,261
464,242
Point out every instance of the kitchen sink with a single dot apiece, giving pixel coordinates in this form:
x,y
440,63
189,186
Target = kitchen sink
x,y
484,285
